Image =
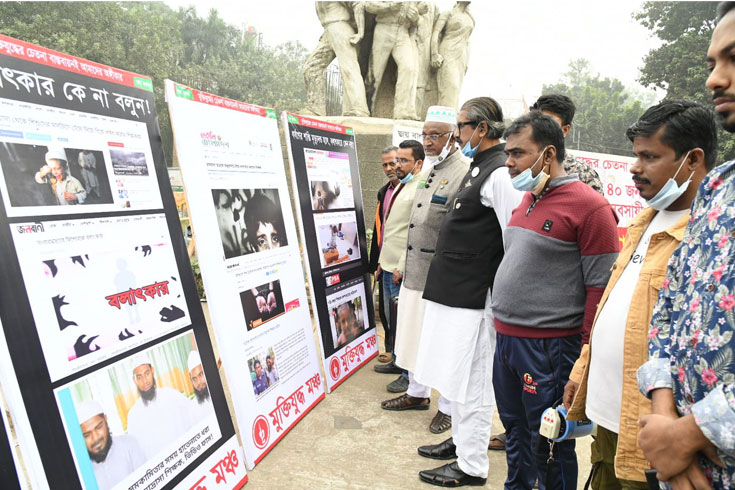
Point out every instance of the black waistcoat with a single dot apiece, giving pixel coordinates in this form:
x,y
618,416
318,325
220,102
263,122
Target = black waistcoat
x,y
470,243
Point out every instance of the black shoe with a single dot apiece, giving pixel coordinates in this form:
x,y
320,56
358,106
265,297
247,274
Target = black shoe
x,y
443,450
450,475
388,368
398,385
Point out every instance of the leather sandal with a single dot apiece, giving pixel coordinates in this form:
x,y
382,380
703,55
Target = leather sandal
x,y
406,402
440,423
385,357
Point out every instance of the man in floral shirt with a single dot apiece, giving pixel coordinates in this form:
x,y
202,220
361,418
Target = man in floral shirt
x,y
690,374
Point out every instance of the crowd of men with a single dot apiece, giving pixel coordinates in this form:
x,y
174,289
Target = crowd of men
x,y
503,283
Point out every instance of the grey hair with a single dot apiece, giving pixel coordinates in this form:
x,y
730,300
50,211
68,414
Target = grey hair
x,y
486,109
390,149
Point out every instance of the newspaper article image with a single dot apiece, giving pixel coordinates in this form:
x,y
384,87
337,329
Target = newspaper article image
x,y
347,315
249,220
338,242
127,162
37,175
263,372
262,303
133,415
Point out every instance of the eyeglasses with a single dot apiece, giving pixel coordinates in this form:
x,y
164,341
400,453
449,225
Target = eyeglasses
x,y
461,124
433,137
403,161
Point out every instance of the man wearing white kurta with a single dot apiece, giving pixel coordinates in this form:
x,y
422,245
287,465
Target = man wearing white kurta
x,y
434,197
160,416
458,339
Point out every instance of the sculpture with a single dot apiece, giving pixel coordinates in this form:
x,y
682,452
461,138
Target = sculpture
x,y
450,51
339,40
424,31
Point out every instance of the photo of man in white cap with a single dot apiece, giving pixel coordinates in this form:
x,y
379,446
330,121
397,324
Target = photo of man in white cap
x,y
112,458
201,391
67,189
161,415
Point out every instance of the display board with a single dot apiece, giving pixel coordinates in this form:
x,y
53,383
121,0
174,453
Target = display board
x,y
105,351
617,183
10,469
326,179
249,257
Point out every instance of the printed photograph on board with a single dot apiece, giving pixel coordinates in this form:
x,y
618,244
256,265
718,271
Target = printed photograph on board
x,y
263,372
262,303
249,220
127,162
338,240
330,179
37,175
124,421
347,314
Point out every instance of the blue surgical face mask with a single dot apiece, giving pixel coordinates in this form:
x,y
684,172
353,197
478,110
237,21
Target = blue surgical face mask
x,y
468,151
525,181
409,176
671,191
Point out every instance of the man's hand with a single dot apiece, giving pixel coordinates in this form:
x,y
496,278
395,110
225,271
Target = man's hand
x,y
272,305
670,444
397,277
355,38
569,391
70,197
691,478
261,303
436,60
378,272
44,171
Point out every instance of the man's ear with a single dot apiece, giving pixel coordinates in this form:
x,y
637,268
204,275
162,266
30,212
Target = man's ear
x,y
550,156
565,129
697,160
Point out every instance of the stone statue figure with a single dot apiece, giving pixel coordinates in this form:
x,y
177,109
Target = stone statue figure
x,y
344,27
450,51
392,39
423,33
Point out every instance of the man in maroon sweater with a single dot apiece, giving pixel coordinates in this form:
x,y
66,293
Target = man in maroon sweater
x,y
559,246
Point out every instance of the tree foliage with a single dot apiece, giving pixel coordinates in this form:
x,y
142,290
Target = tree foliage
x,y
152,39
605,109
678,66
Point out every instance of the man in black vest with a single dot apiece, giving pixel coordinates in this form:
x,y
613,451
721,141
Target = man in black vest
x,y
388,161
458,339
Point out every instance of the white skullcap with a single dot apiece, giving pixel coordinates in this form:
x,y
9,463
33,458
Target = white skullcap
x,y
141,358
55,154
194,360
443,114
88,409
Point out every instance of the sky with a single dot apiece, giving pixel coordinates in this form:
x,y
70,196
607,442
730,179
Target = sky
x,y
516,47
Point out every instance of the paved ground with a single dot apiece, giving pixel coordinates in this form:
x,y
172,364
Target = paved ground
x,y
349,442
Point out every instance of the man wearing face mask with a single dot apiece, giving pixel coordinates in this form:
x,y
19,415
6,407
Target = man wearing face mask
x,y
458,339
444,168
409,159
675,144
559,247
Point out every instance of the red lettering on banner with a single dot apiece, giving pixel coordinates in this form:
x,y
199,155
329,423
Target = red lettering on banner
x,y
129,296
225,465
284,405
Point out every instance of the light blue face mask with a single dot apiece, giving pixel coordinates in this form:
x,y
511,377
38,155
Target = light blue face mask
x,y
671,191
409,176
525,181
468,151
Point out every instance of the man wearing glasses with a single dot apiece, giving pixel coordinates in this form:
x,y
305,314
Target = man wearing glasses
x,y
444,168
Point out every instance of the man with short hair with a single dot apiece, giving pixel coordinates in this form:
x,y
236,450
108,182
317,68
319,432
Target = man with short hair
x,y
112,458
260,382
388,162
559,247
434,197
689,375
409,161
202,399
674,141
66,189
160,415
561,109
270,370
458,339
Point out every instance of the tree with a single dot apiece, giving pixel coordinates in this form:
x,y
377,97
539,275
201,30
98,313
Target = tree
x,y
678,66
152,39
605,109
